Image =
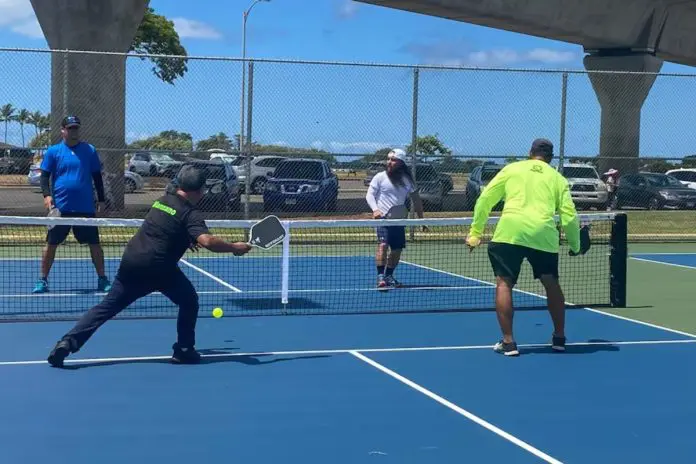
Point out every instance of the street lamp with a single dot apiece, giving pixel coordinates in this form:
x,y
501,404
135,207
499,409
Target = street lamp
x,y
245,16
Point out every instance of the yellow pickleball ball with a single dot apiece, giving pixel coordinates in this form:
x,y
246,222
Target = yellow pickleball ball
x,y
217,312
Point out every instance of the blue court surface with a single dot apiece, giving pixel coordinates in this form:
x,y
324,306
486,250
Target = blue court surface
x,y
685,260
252,286
390,388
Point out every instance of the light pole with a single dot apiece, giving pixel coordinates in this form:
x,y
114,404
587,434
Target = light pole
x,y
245,16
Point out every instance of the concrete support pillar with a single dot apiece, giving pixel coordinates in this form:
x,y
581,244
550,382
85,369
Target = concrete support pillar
x,y
88,85
621,97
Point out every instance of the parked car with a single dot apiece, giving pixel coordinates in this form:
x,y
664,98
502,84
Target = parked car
x,y
222,186
479,178
432,185
653,191
133,181
260,167
586,187
154,164
301,183
686,176
14,160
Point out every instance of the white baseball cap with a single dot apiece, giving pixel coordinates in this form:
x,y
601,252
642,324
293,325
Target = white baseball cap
x,y
397,153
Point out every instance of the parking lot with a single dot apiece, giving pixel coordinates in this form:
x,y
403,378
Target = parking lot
x,y
17,198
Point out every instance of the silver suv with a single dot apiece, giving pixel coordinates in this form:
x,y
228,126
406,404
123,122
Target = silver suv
x,y
586,187
260,167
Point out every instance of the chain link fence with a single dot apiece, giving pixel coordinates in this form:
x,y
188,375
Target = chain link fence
x,y
314,133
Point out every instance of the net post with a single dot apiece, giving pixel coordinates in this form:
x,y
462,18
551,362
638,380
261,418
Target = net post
x,y
285,264
618,260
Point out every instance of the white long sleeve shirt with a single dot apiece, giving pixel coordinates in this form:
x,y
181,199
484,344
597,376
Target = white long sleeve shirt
x,y
382,194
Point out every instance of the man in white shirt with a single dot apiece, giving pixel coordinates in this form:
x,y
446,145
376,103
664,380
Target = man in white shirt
x,y
388,189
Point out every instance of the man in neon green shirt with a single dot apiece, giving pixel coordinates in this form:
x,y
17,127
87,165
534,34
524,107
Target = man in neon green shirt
x,y
534,192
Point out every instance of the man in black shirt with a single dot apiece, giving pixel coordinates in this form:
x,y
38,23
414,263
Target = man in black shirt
x,y
150,263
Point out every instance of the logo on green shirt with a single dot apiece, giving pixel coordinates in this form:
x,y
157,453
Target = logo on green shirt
x,y
537,168
163,207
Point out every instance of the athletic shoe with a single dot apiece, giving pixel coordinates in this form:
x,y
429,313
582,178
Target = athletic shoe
x,y
59,353
185,355
558,343
508,349
103,285
41,286
392,282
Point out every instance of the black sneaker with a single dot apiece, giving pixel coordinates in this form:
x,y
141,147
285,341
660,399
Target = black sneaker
x,y
508,349
185,355
558,343
59,353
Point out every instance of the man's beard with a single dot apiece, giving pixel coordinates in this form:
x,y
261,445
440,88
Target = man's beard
x,y
396,174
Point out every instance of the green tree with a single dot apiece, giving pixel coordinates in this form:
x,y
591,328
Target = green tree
x,y
22,118
6,115
34,120
42,140
429,146
378,156
42,122
156,35
220,141
166,140
689,161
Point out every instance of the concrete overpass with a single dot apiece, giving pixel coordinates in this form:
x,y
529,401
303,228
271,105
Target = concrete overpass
x,y
618,35
92,86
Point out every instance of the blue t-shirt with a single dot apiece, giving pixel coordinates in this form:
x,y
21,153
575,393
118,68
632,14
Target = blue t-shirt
x,y
71,169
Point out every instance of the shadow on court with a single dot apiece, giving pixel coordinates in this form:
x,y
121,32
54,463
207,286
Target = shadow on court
x,y
210,356
605,346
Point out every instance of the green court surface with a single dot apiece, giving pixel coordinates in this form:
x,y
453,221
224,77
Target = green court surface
x,y
659,292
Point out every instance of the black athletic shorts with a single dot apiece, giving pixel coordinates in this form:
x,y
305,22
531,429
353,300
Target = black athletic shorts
x,y
83,234
507,259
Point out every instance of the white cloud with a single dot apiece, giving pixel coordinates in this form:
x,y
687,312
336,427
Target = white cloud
x,y
132,136
13,11
30,29
546,55
19,17
192,29
351,147
459,53
347,9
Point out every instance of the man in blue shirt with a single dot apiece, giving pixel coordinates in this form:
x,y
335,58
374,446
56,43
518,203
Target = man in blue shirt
x,y
72,165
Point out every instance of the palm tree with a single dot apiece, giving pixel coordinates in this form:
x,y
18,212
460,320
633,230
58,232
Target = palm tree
x,y
22,118
35,120
6,115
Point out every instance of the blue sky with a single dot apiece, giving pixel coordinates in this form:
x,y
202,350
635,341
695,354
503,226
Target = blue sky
x,y
359,109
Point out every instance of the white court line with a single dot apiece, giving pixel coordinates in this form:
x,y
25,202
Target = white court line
x,y
208,274
347,351
597,311
654,261
660,254
487,425
212,256
224,292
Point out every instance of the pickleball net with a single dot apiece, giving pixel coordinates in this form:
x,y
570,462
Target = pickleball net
x,y
322,267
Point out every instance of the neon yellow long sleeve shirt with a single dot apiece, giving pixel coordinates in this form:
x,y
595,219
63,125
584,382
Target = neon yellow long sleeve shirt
x,y
534,192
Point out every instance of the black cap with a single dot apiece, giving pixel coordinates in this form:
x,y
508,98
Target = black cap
x,y
190,179
70,121
542,147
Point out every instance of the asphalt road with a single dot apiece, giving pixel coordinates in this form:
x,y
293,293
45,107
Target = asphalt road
x,y
27,201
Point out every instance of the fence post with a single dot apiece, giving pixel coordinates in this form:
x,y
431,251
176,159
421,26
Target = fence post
x,y
414,137
561,145
250,105
65,85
